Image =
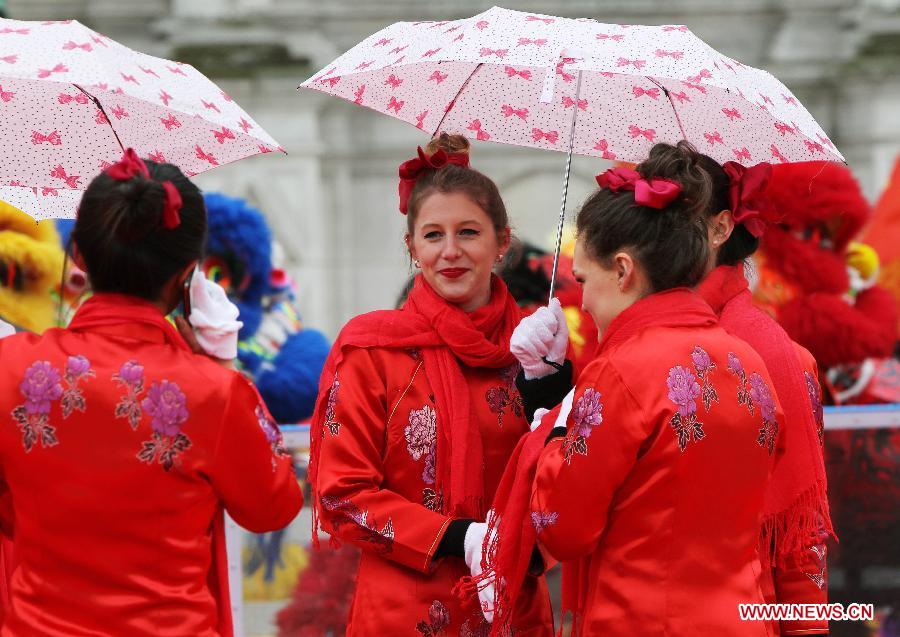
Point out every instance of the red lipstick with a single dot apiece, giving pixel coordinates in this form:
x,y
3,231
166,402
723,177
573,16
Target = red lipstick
x,y
453,273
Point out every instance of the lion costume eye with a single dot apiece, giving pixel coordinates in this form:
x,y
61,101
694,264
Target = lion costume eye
x,y
11,275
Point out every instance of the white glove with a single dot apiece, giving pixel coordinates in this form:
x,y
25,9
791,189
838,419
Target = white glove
x,y
473,543
538,415
564,411
543,334
214,318
6,329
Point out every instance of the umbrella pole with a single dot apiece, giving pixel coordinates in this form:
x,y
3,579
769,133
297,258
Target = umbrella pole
x,y
565,192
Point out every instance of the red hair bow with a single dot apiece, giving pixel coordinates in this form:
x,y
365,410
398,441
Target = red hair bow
x,y
412,169
653,193
749,204
131,166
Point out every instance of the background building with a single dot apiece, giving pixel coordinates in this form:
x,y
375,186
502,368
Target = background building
x,y
332,200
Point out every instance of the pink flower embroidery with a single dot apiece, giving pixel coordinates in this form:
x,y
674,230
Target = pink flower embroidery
x,y
438,620
333,426
421,439
542,519
684,391
506,397
586,414
347,512
272,433
167,406
477,627
762,397
78,368
40,387
743,393
130,376
704,365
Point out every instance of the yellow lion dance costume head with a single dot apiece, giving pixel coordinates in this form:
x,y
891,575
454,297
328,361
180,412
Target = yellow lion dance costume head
x,y
31,262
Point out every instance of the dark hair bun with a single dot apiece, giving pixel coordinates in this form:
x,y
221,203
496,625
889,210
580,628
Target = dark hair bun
x,y
684,165
450,144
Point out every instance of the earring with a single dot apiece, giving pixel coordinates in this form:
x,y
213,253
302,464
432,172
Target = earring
x,y
416,263
499,258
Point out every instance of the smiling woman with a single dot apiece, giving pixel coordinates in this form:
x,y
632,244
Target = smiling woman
x,y
419,412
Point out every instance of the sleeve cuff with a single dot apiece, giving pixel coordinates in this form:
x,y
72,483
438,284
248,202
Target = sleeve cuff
x,y
546,392
452,543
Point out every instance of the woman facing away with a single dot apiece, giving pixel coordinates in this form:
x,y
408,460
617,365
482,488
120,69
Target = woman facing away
x,y
649,479
796,520
418,413
122,446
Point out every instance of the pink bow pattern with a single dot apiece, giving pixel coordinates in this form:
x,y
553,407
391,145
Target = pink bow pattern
x,y
244,125
393,81
65,98
509,111
635,131
6,30
551,136
511,72
210,106
129,78
640,91
358,94
675,27
156,156
500,53
222,135
60,173
362,66
615,38
6,96
568,102
696,87
681,96
149,72
676,55
176,69
783,128
59,68
776,154
527,41
430,52
395,104
170,122
475,126
119,112
741,153
10,59
438,77
420,119
638,64
383,42
702,75
534,18
51,138
71,46
814,147
201,154
714,137
603,146
164,97
732,113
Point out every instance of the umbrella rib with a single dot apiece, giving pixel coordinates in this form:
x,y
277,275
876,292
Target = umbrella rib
x,y
102,110
456,97
672,104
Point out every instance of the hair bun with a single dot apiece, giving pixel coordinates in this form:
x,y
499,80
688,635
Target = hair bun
x,y
141,210
450,144
681,163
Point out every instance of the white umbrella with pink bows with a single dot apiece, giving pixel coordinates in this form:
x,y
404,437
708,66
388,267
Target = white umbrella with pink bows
x,y
71,100
576,86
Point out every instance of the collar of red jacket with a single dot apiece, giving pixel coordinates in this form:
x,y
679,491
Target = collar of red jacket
x,y
126,316
678,307
723,284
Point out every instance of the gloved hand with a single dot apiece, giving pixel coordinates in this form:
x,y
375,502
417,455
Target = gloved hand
x,y
473,544
6,329
214,318
543,334
538,415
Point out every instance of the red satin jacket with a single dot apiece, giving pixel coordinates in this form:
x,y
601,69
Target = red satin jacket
x,y
653,498
119,450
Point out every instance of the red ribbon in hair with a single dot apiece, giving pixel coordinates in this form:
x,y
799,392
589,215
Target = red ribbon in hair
x,y
412,169
131,166
653,193
749,203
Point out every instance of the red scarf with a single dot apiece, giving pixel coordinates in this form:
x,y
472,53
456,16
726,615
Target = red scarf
x,y
116,315
447,336
507,557
796,502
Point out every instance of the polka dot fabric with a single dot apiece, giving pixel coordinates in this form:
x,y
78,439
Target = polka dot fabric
x,y
66,92
511,77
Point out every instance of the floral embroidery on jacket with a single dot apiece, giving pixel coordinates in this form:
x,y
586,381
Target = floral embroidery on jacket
x,y
817,576
478,627
40,387
438,620
585,416
542,519
130,376
333,426
506,397
421,440
347,512
432,500
684,391
762,398
743,394
167,406
815,401
272,433
703,365
78,368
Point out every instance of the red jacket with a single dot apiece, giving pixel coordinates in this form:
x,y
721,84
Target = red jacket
x,y
120,450
654,495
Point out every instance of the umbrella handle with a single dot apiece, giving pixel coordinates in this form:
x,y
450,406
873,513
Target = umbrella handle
x,y
565,192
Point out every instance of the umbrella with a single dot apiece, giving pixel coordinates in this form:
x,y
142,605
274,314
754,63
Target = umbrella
x,y
72,99
577,86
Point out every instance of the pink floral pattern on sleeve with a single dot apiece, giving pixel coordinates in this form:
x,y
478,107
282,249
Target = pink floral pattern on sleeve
x,y
166,404
586,414
437,622
737,368
333,425
131,377
347,512
704,365
815,401
505,398
762,398
78,368
684,390
542,519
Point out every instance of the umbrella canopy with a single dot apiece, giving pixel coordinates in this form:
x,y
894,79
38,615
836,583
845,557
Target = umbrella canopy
x,y
71,100
514,77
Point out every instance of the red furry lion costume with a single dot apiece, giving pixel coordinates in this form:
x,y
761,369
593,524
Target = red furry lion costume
x,y
803,267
